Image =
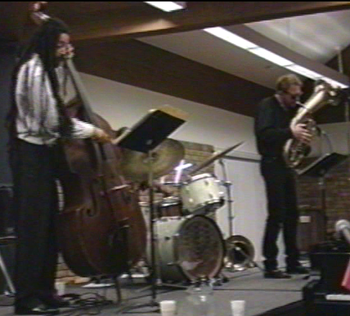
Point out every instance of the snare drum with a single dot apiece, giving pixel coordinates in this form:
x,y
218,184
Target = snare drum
x,y
188,248
201,194
170,206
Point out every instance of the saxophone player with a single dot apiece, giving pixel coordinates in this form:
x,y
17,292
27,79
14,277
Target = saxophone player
x,y
272,130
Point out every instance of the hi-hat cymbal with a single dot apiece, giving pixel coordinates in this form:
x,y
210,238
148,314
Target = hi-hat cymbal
x,y
165,157
214,157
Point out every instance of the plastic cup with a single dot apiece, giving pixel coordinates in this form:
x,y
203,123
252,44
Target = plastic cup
x,y
238,308
168,308
60,287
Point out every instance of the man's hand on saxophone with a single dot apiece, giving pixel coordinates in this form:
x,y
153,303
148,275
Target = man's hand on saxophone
x,y
301,133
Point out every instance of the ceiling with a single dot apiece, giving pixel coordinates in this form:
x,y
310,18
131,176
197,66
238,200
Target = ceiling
x,y
136,44
318,37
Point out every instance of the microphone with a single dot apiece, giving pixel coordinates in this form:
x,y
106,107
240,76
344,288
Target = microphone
x,y
342,227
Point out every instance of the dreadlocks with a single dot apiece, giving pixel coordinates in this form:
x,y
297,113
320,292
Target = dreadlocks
x,y
44,44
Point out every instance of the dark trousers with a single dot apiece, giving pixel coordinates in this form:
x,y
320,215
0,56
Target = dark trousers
x,y
36,205
282,211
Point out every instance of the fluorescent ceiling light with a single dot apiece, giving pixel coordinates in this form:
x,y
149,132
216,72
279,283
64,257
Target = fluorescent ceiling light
x,y
167,6
268,55
304,72
230,37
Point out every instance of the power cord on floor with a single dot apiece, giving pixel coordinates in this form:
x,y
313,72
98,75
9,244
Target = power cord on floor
x,y
85,304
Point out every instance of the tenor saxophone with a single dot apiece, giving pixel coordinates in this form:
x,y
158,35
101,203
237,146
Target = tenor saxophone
x,y
295,151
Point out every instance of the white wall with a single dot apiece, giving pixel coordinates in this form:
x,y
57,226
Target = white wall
x,y
339,135
123,105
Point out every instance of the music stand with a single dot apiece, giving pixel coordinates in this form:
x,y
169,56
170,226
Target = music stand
x,y
319,169
144,136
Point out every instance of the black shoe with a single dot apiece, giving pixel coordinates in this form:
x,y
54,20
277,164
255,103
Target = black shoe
x,y
276,274
39,309
54,301
297,270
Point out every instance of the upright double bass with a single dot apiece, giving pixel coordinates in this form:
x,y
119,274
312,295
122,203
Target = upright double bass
x,y
101,228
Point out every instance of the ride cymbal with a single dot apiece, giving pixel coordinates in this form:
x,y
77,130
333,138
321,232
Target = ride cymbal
x,y
165,157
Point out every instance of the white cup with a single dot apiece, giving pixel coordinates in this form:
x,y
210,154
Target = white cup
x,y
60,287
238,308
168,308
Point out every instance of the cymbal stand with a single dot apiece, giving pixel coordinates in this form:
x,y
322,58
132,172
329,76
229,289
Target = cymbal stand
x,y
228,184
153,303
156,280
154,266
230,216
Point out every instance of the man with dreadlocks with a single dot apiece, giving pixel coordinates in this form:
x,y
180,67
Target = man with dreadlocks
x,y
37,121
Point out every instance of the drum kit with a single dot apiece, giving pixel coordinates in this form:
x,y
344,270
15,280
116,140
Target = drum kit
x,y
188,243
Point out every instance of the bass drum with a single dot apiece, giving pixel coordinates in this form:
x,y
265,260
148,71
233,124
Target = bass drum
x,y
189,248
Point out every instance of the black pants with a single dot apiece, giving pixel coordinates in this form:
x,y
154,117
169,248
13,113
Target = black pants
x,y
282,211
36,205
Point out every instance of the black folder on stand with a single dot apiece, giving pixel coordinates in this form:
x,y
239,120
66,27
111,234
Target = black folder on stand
x,y
322,165
152,129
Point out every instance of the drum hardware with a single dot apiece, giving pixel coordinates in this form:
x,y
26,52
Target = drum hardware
x,y
240,251
172,184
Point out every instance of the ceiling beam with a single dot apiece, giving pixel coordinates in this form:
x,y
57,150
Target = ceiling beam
x,y
198,15
145,66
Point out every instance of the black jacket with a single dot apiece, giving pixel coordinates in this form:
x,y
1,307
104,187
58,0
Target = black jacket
x,y
272,127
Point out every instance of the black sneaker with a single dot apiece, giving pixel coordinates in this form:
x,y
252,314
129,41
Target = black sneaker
x,y
276,274
54,301
35,307
297,270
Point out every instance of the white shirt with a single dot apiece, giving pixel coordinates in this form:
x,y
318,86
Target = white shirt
x,y
28,125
